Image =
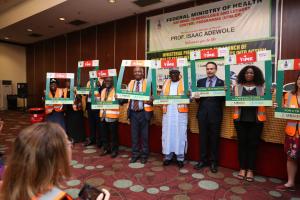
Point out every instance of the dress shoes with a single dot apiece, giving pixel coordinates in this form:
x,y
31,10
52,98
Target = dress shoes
x,y
114,154
200,165
213,168
104,152
133,159
167,162
180,164
144,160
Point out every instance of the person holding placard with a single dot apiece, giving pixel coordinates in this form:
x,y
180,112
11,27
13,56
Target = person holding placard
x,y
139,114
93,116
175,120
109,121
210,114
54,113
292,137
248,120
74,117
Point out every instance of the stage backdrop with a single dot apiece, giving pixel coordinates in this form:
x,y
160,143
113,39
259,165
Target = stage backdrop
x,y
241,25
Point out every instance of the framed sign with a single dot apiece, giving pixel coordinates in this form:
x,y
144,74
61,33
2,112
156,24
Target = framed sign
x,y
123,89
287,75
236,68
199,60
160,74
94,76
87,64
63,77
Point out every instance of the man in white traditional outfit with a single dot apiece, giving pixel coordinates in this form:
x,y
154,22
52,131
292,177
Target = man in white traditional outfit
x,y
175,119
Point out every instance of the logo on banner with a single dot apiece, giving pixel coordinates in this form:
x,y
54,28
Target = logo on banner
x,y
213,53
93,74
246,57
102,73
195,55
170,63
137,63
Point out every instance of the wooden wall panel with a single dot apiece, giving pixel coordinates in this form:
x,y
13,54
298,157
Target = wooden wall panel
x,y
30,74
291,29
39,72
49,55
60,55
88,43
73,53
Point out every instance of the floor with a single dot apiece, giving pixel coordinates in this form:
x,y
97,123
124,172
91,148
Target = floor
x,y
152,180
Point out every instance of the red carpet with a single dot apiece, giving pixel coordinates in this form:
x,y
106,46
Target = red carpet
x,y
150,181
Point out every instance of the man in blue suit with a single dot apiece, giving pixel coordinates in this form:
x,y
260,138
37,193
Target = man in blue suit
x,y
210,114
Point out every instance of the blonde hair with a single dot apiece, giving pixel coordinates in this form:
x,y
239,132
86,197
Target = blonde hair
x,y
38,161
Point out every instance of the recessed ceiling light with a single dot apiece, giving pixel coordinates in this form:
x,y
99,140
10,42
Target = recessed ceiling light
x,y
6,38
112,1
29,30
62,19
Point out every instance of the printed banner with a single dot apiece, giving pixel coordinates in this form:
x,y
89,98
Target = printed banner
x,y
123,91
211,24
284,87
161,73
61,78
91,65
96,102
235,75
199,62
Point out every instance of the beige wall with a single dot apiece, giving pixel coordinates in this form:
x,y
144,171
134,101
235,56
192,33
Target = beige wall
x,y
13,64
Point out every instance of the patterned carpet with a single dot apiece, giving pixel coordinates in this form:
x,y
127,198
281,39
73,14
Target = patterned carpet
x,y
152,180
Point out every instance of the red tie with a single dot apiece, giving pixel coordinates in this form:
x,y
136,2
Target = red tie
x,y
136,102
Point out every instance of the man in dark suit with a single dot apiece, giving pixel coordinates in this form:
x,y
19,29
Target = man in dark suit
x,y
210,114
139,114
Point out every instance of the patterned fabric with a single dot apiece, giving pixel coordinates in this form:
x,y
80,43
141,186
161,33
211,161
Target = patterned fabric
x,y
292,146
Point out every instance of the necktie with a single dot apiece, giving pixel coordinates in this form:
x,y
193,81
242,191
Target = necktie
x,y
210,83
136,102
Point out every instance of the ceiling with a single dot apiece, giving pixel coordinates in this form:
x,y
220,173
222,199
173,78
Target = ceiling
x,y
48,25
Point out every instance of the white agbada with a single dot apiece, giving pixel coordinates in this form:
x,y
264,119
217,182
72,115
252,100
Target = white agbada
x,y
174,127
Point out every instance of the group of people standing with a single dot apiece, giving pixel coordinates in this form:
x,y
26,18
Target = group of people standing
x,y
248,121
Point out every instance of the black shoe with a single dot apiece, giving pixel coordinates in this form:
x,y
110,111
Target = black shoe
x,y
180,164
213,168
89,143
104,152
133,159
144,160
114,154
167,162
200,165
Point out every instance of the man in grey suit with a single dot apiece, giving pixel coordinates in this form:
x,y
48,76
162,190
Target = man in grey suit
x,y
210,114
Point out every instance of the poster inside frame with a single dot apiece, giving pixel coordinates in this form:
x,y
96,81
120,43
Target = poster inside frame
x,y
280,111
262,58
167,64
93,65
125,93
51,101
204,56
94,75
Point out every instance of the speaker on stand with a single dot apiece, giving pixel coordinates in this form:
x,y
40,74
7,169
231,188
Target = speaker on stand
x,y
22,93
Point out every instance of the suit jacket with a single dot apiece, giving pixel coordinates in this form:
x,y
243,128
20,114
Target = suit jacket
x,y
210,108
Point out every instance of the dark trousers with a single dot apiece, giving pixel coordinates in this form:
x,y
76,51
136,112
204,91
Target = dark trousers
x,y
139,129
209,135
93,118
248,134
109,130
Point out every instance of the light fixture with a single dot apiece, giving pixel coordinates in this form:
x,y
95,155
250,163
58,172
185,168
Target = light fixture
x,y
62,19
6,38
112,1
29,30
